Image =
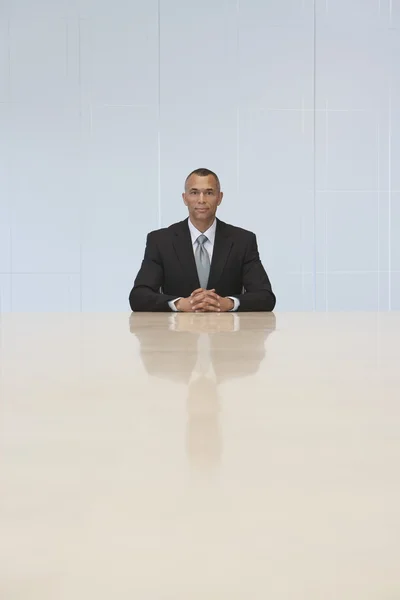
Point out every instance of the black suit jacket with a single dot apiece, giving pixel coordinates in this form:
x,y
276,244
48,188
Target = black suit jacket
x,y
169,271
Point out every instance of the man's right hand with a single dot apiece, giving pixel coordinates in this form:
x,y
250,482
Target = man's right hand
x,y
198,301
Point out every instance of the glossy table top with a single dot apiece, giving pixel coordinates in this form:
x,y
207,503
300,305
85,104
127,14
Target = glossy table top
x,y
187,457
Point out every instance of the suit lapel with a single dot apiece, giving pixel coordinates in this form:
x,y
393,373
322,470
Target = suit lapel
x,y
184,249
222,247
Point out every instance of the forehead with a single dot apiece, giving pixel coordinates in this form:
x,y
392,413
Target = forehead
x,y
196,181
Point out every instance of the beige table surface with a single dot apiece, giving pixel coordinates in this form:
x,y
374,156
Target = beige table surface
x,y
187,457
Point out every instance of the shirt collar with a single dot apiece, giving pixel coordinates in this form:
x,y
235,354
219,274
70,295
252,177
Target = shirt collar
x,y
210,233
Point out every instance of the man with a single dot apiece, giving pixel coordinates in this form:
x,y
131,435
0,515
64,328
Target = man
x,y
202,264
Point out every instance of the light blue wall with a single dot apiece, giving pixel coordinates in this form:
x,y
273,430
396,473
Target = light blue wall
x,y
105,106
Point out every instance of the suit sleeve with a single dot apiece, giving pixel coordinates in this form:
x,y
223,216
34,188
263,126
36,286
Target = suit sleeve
x,y
146,294
258,294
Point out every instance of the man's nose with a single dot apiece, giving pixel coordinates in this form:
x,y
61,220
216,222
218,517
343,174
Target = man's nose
x,y
202,197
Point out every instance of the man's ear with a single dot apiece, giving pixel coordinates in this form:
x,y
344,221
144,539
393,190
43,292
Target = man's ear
x,y
220,198
183,198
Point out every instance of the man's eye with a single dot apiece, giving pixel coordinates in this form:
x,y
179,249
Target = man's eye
x,y
210,193
194,193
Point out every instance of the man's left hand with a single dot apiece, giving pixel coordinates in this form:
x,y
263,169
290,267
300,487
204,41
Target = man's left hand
x,y
209,301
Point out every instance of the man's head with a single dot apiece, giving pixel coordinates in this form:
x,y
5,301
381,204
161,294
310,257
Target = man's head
x,y
202,196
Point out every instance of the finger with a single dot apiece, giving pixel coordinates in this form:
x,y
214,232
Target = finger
x,y
198,298
211,308
200,290
201,307
212,295
212,302
198,306
206,306
205,298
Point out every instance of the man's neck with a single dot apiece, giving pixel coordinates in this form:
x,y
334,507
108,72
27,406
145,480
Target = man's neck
x,y
203,225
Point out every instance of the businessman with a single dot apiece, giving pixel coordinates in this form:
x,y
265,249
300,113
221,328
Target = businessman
x,y
202,264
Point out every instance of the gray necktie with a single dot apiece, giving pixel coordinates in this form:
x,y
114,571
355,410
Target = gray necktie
x,y
202,261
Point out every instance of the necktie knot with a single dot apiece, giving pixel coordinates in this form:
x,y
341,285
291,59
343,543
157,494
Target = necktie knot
x,y
202,239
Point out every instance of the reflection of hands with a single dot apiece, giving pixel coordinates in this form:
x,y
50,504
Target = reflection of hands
x,y
209,301
206,323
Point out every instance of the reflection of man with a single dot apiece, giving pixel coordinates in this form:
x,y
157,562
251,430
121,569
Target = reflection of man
x,y
202,264
203,351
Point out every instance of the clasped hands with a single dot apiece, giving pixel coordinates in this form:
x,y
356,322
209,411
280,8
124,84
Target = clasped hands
x,y
202,300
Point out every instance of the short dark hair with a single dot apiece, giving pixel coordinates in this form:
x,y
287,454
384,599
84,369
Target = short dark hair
x,y
204,173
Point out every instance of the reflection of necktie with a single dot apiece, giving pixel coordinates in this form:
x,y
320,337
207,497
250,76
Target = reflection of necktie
x,y
202,261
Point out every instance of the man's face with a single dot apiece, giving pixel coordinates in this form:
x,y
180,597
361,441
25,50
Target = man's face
x,y
202,198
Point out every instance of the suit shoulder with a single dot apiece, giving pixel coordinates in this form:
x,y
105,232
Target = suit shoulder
x,y
157,233
162,233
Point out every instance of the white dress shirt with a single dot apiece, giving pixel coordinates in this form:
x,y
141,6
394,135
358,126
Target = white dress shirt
x,y
209,246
